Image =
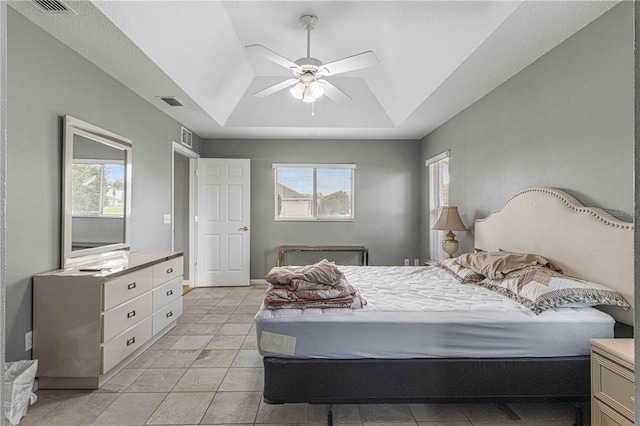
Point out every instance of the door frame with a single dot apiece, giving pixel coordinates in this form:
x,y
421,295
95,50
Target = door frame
x,y
180,149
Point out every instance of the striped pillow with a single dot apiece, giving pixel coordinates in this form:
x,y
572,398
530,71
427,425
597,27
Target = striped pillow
x,y
540,288
459,272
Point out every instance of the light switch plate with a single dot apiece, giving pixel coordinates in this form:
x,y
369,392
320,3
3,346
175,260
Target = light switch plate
x,y
167,219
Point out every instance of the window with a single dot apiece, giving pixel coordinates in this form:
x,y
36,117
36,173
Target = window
x,y
438,197
314,191
98,188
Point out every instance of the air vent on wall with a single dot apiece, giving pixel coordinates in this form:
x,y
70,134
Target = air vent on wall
x,y
171,101
53,6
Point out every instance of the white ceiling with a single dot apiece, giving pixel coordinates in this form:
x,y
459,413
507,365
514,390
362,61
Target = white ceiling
x,y
436,57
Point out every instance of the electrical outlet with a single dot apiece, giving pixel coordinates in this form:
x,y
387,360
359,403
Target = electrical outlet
x,y
28,341
167,219
416,262
406,262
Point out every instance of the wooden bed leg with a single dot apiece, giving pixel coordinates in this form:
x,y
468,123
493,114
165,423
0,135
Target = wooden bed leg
x,y
579,417
330,415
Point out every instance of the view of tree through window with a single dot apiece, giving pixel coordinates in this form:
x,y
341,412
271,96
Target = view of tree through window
x,y
314,193
98,189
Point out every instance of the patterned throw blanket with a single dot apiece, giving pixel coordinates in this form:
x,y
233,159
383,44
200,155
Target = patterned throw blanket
x,y
321,285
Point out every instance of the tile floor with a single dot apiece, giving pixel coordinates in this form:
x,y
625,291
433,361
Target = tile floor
x,y
207,371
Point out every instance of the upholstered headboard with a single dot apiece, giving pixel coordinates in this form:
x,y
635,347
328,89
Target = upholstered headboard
x,y
585,242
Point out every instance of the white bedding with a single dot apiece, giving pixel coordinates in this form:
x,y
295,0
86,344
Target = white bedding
x,y
423,312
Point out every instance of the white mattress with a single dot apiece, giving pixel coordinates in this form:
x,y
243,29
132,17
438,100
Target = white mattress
x,y
423,312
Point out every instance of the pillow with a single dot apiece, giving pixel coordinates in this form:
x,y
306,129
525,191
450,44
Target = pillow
x,y
540,288
497,264
459,272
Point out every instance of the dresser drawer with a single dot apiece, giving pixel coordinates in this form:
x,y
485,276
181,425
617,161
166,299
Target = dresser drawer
x,y
166,315
125,344
167,293
601,414
126,287
125,316
613,384
167,270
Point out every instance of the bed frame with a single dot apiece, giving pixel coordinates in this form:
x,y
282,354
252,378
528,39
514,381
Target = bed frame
x,y
586,242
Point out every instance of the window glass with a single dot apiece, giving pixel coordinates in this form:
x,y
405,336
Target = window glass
x,y
438,197
98,189
318,192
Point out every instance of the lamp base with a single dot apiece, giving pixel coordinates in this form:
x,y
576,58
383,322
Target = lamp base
x,y
449,244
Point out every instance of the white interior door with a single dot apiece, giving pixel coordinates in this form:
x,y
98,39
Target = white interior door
x,y
223,222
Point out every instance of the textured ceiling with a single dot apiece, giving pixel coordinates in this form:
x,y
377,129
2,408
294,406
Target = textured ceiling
x,y
436,58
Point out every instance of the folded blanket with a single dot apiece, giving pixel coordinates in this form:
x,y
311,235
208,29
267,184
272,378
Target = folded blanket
x,y
343,296
324,273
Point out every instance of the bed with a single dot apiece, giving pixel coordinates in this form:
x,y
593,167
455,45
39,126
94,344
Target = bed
x,y
460,352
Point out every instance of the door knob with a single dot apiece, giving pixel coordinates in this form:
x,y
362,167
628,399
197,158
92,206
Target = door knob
x,y
245,228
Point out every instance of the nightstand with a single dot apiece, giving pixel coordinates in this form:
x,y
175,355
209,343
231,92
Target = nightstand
x,y
612,382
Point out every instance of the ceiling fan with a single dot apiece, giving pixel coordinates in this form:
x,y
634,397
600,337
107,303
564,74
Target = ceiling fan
x,y
309,83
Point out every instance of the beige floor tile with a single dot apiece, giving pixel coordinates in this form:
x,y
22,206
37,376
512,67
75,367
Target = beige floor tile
x,y
282,413
250,310
179,329
385,413
201,380
498,422
229,301
206,301
177,358
437,412
554,422
243,379
146,358
189,319
233,407
182,408
482,412
206,328
165,342
192,342
80,408
226,341
131,409
215,358
214,318
544,411
250,342
346,413
196,310
48,400
445,423
122,380
157,380
318,413
235,329
223,310
247,358
241,318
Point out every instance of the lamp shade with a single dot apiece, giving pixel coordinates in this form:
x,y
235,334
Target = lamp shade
x,y
449,220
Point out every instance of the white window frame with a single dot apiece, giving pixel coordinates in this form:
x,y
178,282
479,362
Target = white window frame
x,y
436,186
314,216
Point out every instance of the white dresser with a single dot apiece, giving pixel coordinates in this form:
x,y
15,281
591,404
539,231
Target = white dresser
x,y
91,320
612,382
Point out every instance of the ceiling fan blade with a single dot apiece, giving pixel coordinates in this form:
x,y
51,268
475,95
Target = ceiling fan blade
x,y
351,63
272,56
275,88
333,93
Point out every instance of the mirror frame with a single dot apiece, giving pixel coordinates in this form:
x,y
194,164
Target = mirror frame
x,y
74,126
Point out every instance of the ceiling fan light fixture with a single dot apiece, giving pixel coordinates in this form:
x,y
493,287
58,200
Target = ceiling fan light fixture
x,y
297,91
316,89
308,97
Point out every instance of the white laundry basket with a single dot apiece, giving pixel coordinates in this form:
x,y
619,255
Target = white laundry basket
x,y
19,377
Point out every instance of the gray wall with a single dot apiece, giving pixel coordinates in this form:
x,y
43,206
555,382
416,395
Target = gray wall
x,y
387,196
181,209
566,121
47,80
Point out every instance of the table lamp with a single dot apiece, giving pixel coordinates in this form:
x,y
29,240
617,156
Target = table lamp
x,y
449,220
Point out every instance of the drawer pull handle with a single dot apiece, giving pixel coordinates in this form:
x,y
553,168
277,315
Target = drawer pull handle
x,y
170,270
131,286
131,341
131,314
170,292
169,314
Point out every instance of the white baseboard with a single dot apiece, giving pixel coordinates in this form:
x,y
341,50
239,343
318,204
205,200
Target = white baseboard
x,y
257,282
